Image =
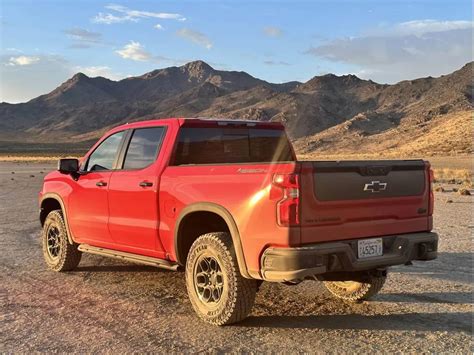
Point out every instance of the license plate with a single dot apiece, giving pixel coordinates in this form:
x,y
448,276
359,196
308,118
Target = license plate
x,y
369,247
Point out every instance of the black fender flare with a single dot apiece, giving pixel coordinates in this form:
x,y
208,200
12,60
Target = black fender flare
x,y
58,198
229,220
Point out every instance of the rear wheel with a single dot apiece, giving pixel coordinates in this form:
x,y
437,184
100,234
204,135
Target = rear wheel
x,y
218,292
58,253
356,290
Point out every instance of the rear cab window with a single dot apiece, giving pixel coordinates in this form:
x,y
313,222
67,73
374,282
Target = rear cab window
x,y
143,147
221,145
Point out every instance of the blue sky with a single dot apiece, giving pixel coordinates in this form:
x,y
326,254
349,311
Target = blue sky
x,y
43,43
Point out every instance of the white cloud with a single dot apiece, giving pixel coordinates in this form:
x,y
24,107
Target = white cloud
x,y
272,31
134,51
103,71
195,37
109,19
22,60
124,14
273,62
83,38
158,27
81,34
421,27
406,50
23,82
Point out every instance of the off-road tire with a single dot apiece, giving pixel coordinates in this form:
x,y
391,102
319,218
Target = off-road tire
x,y
238,293
355,291
68,256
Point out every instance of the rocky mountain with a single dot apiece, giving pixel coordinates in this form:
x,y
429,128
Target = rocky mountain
x,y
327,113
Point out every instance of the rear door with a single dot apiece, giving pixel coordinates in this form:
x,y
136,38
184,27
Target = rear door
x,y
133,192
354,199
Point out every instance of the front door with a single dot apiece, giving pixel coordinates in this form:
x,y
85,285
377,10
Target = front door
x,y
133,194
88,205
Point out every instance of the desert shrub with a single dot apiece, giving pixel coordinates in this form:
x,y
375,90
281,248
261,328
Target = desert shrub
x,y
453,176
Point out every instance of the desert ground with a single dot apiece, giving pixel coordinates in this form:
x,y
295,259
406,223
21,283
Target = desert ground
x,y
107,305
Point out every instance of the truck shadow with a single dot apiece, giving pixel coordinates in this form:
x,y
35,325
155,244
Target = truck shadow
x,y
460,321
428,297
445,267
119,268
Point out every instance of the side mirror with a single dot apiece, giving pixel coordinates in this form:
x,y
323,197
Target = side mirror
x,y
68,166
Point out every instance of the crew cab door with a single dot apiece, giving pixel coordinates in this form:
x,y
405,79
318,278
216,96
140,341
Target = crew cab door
x,y
88,209
133,193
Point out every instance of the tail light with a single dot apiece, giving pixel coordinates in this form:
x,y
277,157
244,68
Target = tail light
x,y
431,181
288,205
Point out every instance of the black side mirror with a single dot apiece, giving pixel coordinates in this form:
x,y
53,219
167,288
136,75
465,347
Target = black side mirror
x,y
68,166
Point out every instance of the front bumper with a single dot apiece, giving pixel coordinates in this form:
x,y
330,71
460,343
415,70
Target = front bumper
x,y
289,264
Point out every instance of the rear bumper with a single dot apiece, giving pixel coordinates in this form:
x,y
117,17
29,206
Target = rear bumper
x,y
287,264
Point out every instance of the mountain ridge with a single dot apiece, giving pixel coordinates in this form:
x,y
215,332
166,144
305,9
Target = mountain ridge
x,y
340,107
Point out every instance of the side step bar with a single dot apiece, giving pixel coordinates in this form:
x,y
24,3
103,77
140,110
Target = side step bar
x,y
134,258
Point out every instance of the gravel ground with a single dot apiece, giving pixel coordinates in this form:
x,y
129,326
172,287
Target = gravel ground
x,y
106,305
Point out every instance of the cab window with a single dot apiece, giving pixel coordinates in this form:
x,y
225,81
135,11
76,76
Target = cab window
x,y
104,155
143,148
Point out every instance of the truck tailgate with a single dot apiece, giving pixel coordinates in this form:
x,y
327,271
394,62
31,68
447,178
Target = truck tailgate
x,y
355,199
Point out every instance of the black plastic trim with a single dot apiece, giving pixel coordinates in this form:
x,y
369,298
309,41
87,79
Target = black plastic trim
x,y
227,217
55,196
287,264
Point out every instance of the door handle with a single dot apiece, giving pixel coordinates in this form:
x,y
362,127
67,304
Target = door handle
x,y
146,184
101,183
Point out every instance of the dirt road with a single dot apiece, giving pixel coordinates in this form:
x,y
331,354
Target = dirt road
x,y
107,305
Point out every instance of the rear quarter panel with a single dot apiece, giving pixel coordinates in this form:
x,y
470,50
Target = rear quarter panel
x,y
243,190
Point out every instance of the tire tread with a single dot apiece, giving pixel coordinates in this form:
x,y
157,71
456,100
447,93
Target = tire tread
x,y
245,289
366,290
71,256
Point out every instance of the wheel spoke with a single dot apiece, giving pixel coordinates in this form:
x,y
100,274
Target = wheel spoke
x,y
204,264
53,241
207,294
208,279
219,279
201,279
213,264
215,295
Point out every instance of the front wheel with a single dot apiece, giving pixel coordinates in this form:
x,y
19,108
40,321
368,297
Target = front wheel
x,y
218,292
59,254
355,291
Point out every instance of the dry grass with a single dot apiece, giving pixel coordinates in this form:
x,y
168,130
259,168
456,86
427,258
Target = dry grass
x,y
464,192
445,175
442,135
33,158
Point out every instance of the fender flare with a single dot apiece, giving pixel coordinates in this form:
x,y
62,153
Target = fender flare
x,y
228,219
58,198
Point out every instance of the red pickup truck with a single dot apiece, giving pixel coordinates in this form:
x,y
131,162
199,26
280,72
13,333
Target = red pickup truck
x,y
229,202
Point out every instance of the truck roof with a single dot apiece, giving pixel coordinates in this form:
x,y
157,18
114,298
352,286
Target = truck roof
x,y
201,121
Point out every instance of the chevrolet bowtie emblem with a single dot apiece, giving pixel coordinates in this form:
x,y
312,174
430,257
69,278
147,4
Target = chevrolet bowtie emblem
x,y
375,186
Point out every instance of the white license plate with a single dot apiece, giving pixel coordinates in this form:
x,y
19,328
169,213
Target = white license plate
x,y
369,247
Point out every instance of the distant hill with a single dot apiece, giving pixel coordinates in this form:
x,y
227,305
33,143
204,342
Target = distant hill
x,y
326,114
